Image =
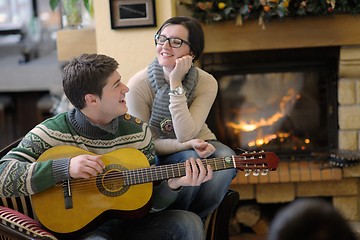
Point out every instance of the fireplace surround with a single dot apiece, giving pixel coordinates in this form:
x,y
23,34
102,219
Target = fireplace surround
x,y
282,100
304,179
336,31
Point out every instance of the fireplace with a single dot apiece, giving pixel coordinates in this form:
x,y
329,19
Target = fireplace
x,y
231,50
282,100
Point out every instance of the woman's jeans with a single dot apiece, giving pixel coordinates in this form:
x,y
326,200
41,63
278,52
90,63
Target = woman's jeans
x,y
205,198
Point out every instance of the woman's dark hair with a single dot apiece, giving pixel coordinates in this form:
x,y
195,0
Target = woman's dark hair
x,y
196,33
87,74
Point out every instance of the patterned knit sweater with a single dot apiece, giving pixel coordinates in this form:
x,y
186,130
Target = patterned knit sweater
x,y
22,175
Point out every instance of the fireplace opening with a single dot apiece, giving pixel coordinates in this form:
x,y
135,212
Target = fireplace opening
x,y
283,101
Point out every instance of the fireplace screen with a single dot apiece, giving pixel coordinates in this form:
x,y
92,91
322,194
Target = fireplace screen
x,y
273,111
288,112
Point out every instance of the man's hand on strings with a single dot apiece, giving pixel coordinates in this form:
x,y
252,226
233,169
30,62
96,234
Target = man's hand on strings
x,y
85,166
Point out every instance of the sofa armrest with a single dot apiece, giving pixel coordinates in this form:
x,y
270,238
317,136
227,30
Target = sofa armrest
x,y
17,226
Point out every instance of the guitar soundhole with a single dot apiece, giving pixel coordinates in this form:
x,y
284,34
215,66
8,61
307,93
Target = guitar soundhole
x,y
111,182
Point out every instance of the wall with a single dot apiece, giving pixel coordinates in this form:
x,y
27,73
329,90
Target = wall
x,y
133,48
349,98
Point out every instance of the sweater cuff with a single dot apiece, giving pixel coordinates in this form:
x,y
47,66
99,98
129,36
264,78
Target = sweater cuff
x,y
61,169
163,196
167,191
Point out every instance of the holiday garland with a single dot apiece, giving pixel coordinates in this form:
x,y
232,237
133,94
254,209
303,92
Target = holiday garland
x,y
239,10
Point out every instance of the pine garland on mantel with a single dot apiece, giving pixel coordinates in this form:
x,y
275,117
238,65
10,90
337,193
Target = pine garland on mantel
x,y
209,11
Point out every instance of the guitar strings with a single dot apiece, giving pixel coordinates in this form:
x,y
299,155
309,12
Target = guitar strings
x,y
120,178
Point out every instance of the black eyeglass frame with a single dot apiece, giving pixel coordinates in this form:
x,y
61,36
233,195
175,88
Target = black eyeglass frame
x,y
169,40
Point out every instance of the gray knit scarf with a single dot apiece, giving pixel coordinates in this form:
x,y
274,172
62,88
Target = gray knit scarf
x,y
160,119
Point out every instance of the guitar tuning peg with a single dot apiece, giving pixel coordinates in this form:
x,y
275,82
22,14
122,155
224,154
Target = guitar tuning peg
x,y
247,172
243,150
264,172
256,172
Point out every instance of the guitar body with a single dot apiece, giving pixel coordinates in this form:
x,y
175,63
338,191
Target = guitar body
x,y
92,198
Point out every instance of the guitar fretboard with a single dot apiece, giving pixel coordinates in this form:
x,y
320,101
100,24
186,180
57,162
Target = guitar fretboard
x,y
144,175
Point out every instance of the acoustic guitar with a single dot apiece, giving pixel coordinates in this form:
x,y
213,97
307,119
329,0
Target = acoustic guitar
x,y
124,188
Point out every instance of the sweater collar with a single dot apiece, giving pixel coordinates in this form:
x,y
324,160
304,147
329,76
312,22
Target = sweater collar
x,y
86,128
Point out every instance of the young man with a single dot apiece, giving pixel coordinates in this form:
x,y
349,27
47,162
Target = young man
x,y
99,124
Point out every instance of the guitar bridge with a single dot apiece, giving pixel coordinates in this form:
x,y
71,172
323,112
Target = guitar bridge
x,y
67,194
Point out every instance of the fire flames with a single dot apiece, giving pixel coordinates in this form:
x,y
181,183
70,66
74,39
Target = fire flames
x,y
256,127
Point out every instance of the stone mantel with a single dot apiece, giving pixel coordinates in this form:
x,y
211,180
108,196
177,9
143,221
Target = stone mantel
x,y
337,30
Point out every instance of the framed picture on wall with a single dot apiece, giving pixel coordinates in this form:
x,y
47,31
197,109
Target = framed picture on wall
x,y
132,13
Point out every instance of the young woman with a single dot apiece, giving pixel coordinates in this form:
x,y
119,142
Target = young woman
x,y
175,98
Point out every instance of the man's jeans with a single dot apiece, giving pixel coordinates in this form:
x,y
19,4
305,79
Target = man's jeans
x,y
163,225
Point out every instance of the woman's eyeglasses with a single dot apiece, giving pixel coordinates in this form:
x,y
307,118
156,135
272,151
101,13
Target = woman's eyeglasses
x,y
173,42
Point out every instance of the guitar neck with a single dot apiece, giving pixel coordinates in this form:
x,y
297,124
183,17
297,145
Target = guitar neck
x,y
144,175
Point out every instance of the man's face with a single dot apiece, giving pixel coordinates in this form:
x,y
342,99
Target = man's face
x,y
112,103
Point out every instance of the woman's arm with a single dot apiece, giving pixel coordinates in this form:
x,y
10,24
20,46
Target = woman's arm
x,y
168,146
189,121
140,99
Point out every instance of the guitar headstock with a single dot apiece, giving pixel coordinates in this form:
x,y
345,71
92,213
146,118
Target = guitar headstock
x,y
257,162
